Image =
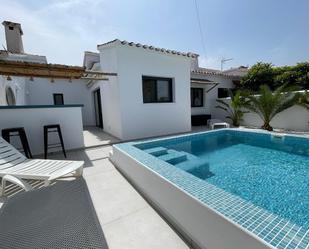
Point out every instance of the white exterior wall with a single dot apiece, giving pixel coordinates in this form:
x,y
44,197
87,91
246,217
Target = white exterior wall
x,y
110,93
295,118
110,105
124,113
18,86
211,96
33,120
152,119
40,92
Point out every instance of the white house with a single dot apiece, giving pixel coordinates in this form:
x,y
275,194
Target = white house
x,y
128,89
150,95
131,104
209,85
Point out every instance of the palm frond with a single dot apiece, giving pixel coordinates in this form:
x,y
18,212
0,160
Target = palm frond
x,y
220,101
222,108
268,104
234,109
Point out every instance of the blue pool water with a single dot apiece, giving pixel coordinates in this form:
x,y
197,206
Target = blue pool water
x,y
270,172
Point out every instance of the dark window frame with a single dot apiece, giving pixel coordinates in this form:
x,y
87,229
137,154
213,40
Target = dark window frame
x,y
223,92
58,94
156,79
197,89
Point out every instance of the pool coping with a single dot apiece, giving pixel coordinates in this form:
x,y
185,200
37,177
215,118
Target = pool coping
x,y
220,208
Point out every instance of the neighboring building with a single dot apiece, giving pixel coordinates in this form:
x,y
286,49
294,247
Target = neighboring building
x,y
128,89
27,79
209,84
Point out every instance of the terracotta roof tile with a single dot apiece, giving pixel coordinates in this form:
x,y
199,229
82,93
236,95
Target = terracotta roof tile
x,y
208,71
149,47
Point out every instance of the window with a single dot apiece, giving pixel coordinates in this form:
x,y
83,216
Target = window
x,y
58,99
236,82
223,92
197,97
10,96
157,90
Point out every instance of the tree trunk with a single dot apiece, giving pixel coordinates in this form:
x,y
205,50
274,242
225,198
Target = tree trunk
x,y
266,126
236,124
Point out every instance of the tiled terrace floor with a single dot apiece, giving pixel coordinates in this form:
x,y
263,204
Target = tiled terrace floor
x,y
94,136
127,220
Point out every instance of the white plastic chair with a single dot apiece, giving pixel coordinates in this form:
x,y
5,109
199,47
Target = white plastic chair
x,y
15,167
217,123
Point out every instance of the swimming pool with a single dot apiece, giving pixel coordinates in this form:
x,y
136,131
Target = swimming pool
x,y
260,180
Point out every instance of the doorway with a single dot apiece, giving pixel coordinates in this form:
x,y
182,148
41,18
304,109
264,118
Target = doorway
x,y
98,108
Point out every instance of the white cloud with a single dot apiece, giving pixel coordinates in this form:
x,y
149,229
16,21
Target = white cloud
x,y
61,30
209,62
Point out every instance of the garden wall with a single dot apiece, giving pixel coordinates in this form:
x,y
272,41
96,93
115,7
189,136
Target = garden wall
x,y
295,118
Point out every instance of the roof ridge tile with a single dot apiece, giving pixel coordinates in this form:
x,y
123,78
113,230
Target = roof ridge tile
x,y
150,47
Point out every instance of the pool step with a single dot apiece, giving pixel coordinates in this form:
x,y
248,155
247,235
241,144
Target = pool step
x,y
192,164
157,151
174,157
190,156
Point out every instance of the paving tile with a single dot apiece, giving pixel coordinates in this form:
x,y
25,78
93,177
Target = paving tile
x,y
94,136
101,178
113,196
113,204
98,167
144,229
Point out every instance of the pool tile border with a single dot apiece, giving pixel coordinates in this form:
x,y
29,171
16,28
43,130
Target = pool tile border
x,y
276,231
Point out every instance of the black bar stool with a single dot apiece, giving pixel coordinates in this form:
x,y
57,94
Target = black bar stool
x,y
49,129
18,132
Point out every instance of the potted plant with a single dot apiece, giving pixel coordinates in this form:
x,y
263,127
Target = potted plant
x,y
234,109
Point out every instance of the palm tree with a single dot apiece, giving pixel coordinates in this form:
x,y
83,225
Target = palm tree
x,y
303,100
235,108
268,104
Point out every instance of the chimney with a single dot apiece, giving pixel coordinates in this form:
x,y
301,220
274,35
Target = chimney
x,y
194,63
13,33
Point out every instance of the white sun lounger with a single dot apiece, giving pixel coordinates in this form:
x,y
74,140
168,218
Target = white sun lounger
x,y
14,167
217,123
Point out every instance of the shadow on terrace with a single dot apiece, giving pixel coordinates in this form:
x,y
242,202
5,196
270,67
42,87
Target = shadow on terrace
x,y
119,211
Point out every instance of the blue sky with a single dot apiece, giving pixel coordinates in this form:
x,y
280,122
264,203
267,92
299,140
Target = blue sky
x,y
274,31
